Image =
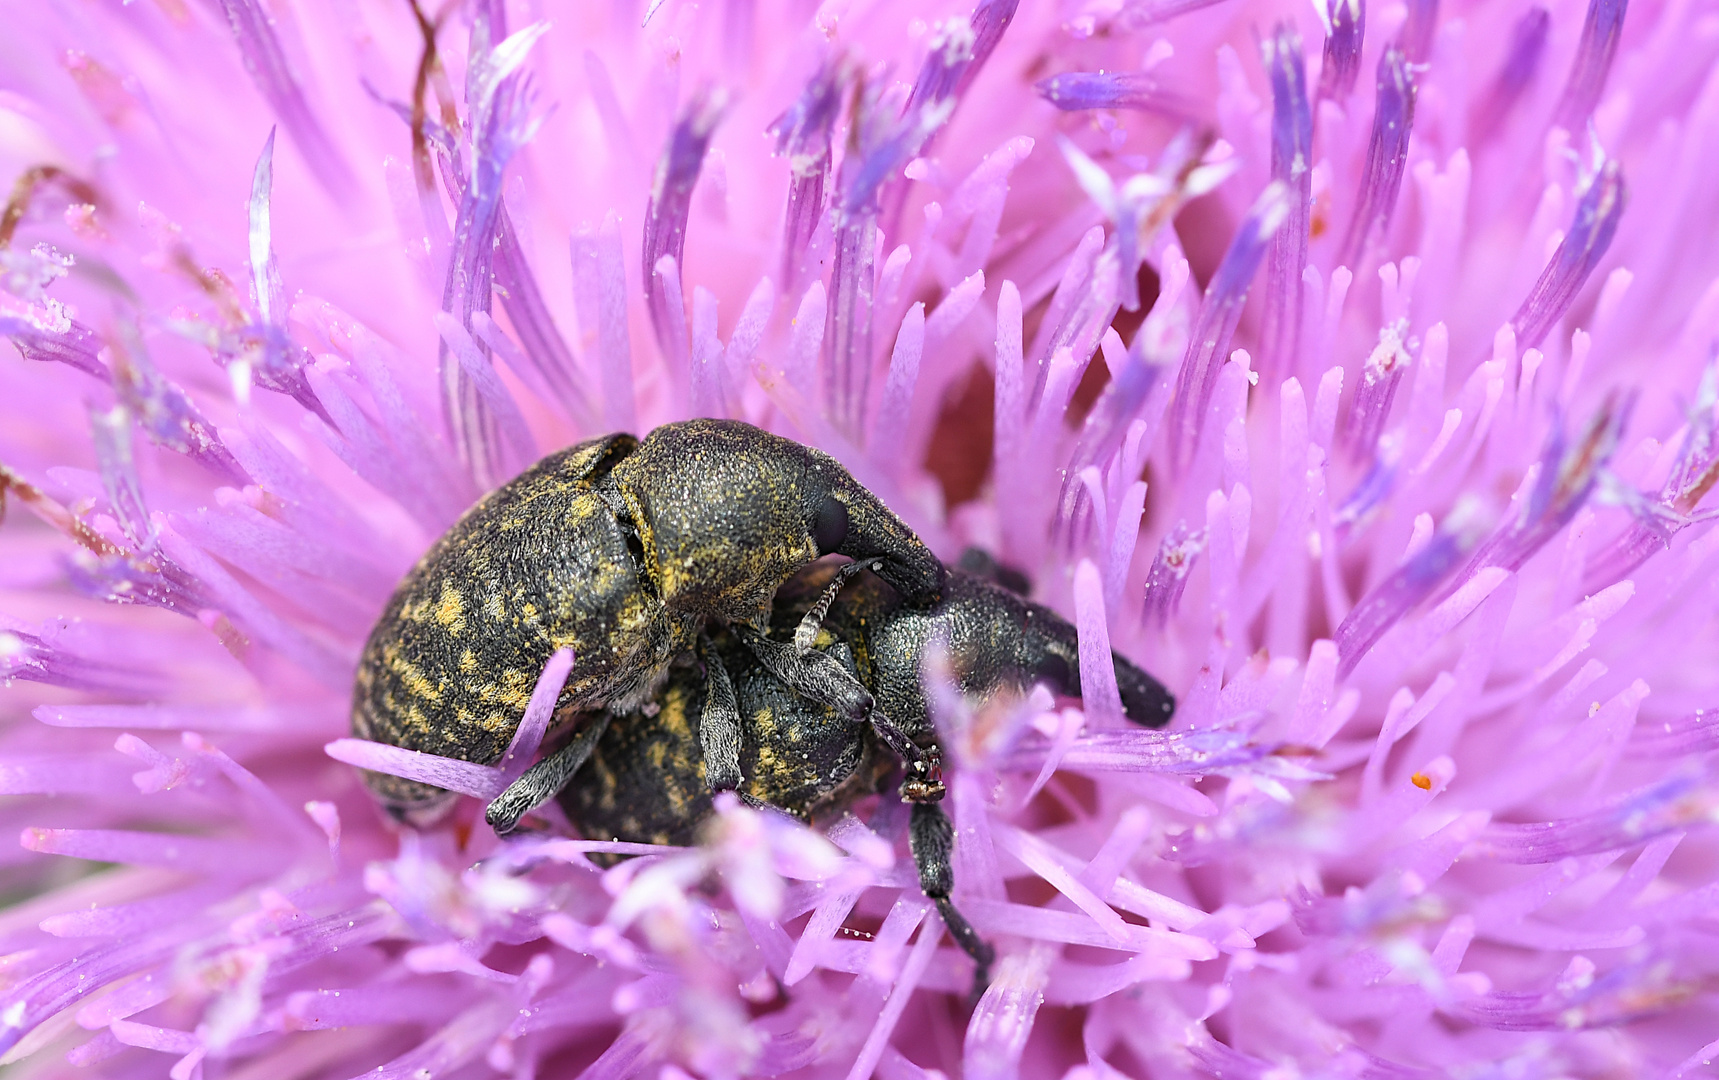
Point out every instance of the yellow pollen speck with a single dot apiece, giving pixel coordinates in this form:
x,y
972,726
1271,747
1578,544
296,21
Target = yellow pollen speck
x,y
1422,781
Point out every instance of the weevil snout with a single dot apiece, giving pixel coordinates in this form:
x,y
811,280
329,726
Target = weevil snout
x,y
868,530
1145,700
920,581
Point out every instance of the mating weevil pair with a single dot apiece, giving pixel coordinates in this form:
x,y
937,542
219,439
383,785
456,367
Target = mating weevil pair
x,y
634,554
622,551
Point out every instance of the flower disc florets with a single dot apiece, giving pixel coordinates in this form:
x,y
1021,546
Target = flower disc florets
x,y
1349,367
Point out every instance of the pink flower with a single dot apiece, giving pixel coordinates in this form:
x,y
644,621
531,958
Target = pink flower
x,y
1353,371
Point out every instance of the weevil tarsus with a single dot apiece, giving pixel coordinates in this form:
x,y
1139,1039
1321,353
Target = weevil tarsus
x,y
924,782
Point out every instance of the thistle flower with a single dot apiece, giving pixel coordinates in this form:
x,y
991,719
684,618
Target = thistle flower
x,y
1380,425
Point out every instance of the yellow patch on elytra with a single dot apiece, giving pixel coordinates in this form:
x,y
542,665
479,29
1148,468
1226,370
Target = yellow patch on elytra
x,y
451,610
416,683
636,613
468,662
672,718
514,691
677,798
580,511
605,776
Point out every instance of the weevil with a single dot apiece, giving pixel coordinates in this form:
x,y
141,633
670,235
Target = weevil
x,y
622,550
643,778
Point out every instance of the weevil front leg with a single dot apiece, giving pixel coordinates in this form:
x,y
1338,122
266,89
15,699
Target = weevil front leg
x,y
807,632
822,678
544,780
931,838
813,674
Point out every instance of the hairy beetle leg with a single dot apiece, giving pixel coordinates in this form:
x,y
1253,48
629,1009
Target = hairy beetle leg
x,y
931,838
814,674
544,780
807,631
719,723
822,678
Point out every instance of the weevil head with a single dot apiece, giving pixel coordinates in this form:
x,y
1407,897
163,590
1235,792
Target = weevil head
x,y
726,513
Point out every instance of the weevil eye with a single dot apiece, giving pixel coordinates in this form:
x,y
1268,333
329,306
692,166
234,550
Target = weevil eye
x,y
830,526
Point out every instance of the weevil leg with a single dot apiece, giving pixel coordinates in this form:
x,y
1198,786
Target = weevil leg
x,y
924,780
544,780
816,675
822,678
931,838
807,631
970,943
719,723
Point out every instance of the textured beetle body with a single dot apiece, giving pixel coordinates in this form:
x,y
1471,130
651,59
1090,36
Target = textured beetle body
x,y
538,565
645,780
621,550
